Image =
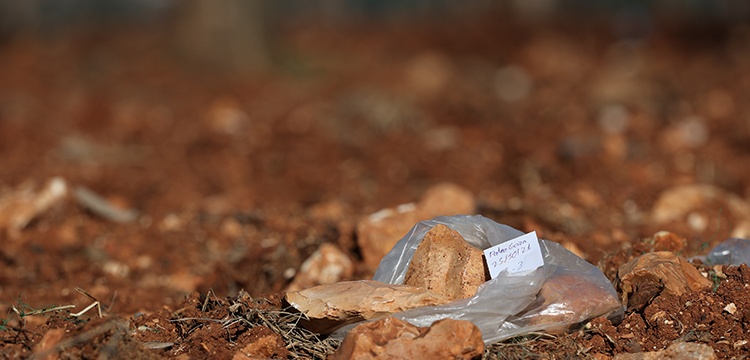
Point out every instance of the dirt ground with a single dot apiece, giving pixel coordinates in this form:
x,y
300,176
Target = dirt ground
x,y
566,129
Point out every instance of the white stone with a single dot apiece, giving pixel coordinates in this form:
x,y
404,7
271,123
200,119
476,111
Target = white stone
x,y
20,206
731,308
327,265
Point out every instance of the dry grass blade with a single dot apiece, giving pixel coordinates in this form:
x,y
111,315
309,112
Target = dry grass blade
x,y
521,347
302,343
40,311
95,303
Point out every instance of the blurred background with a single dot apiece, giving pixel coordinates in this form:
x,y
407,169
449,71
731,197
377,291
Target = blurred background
x,y
240,35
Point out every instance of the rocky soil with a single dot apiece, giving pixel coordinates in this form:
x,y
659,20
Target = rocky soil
x,y
177,206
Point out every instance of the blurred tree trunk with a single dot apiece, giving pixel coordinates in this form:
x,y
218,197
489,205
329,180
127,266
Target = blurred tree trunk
x,y
226,35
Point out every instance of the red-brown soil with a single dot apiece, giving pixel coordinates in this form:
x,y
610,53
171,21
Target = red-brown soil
x,y
239,180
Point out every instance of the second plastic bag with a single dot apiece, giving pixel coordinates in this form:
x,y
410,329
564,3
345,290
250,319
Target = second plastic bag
x,y
566,290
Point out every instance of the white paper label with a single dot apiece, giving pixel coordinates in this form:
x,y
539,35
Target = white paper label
x,y
519,255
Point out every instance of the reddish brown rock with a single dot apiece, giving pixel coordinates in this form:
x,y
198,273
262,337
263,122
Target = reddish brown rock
x,y
446,264
668,241
652,274
327,265
391,338
333,210
687,202
445,199
44,349
379,232
329,307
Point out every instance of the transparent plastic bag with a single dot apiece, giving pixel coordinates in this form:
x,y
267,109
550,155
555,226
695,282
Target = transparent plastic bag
x,y
508,305
734,251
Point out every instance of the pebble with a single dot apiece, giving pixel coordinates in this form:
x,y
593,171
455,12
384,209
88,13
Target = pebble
x,y
22,205
327,265
227,117
684,203
669,241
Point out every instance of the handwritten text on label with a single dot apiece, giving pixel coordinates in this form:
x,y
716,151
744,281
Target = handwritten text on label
x,y
518,255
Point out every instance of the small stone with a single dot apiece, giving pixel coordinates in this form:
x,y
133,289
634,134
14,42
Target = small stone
x,y
658,316
677,202
719,272
741,229
680,350
668,241
651,274
116,269
171,223
329,307
333,210
379,232
184,281
327,265
20,206
289,273
446,199
731,308
588,197
391,338
690,133
226,116
697,222
446,264
231,228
